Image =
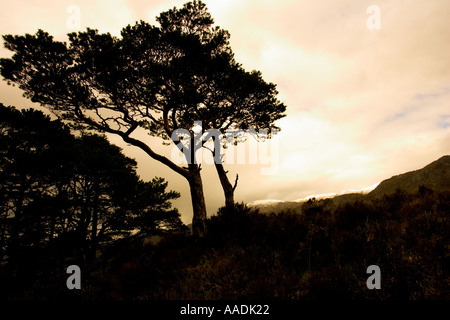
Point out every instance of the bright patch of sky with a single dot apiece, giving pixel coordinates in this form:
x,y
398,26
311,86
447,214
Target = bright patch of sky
x,y
363,104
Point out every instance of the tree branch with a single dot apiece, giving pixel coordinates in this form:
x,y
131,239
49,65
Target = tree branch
x,y
235,182
137,143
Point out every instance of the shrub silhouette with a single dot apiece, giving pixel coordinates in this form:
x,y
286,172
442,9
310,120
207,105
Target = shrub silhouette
x,y
321,252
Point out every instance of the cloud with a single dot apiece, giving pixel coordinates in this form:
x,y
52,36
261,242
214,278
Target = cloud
x,y
362,104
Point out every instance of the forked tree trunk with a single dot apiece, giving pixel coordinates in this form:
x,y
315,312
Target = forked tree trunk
x,y
192,175
227,187
198,201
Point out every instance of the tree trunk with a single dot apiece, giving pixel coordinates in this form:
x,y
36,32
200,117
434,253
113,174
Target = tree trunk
x,y
198,201
228,189
15,225
192,174
14,238
95,212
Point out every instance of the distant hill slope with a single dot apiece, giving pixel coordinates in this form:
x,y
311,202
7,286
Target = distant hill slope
x,y
435,176
277,206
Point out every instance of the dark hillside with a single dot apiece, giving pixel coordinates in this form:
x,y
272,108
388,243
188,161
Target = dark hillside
x,y
322,253
435,176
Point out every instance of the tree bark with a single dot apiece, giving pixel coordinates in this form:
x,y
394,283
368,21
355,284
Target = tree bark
x,y
198,201
192,175
228,189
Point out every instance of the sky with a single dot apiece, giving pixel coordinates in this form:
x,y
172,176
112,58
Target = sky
x,y
366,85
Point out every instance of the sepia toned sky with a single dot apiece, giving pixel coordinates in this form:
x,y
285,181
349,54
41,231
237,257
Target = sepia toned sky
x,y
363,103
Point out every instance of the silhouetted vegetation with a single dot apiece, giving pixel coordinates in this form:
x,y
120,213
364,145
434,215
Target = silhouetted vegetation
x,y
158,79
67,199
62,198
320,252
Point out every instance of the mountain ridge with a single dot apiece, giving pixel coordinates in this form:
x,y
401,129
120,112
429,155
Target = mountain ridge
x,y
434,176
